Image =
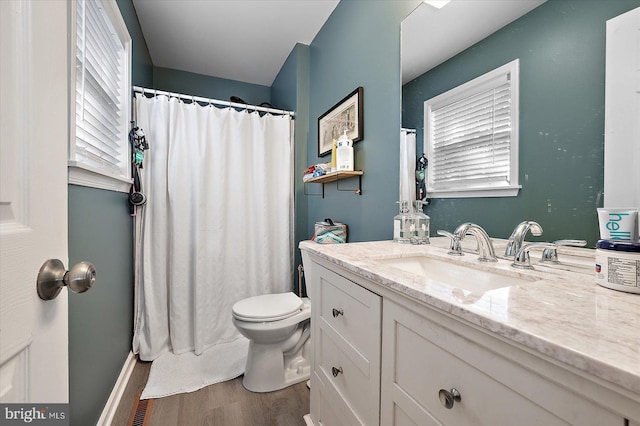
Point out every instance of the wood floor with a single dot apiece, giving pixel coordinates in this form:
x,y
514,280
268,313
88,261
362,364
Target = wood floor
x,y
222,404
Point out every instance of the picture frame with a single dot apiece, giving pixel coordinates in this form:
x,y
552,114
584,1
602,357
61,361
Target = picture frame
x,y
346,114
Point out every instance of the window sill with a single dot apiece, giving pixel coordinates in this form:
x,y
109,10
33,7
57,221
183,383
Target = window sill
x,y
509,191
79,174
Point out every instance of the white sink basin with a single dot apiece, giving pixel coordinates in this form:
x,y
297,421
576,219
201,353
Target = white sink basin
x,y
455,275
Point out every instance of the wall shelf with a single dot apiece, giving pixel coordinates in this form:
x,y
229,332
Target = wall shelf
x,y
336,177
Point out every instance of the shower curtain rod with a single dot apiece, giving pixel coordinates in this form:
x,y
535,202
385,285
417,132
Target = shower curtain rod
x,y
409,130
155,92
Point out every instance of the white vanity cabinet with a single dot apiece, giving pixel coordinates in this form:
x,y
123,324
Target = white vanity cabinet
x,y
380,356
346,324
426,355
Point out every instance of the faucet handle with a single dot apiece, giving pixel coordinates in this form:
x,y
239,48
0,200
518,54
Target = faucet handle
x,y
454,245
522,259
551,254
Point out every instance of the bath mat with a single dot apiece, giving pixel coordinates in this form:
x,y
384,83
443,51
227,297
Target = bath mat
x,y
141,412
171,374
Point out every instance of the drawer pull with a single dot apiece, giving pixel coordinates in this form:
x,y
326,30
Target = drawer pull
x,y
337,312
448,398
335,371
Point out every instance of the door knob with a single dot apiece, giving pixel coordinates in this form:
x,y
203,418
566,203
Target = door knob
x,y
53,276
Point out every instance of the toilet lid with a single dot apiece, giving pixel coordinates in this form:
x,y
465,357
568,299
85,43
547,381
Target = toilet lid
x,y
268,307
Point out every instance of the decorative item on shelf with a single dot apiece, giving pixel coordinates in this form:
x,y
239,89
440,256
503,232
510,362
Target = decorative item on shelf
x,y
348,114
334,146
344,153
316,171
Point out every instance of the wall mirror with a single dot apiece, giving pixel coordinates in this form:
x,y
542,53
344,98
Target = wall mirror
x,y
564,114
438,30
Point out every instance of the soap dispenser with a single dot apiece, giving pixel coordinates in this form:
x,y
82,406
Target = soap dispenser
x,y
421,224
402,224
344,153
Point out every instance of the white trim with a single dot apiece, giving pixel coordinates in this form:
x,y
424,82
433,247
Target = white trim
x,y
113,402
83,175
508,191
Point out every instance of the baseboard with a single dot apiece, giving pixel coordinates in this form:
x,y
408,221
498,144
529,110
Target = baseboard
x,y
307,420
111,406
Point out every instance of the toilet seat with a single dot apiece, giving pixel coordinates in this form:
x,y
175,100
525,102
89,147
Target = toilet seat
x,y
267,307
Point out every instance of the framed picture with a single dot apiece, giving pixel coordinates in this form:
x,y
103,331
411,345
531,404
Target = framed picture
x,y
345,115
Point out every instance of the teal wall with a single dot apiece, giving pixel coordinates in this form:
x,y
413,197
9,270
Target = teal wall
x,y
290,91
100,231
100,320
142,65
360,46
206,86
561,47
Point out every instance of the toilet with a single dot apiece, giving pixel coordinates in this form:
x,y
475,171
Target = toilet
x,y
278,327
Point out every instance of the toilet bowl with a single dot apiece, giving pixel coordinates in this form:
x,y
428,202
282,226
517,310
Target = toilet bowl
x,y
278,328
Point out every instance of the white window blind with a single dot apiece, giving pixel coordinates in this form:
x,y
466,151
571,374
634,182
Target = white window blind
x,y
472,137
102,89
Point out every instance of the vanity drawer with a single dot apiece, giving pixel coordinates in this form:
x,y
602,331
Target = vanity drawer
x,y
352,311
346,351
348,376
421,357
330,413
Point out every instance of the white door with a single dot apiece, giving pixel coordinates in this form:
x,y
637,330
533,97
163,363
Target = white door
x,y
33,198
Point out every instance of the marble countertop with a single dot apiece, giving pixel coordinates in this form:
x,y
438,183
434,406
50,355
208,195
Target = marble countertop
x,y
560,312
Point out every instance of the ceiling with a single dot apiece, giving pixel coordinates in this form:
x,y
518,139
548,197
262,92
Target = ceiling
x,y
431,35
249,40
242,40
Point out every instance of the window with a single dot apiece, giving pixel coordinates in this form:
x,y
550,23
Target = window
x,y
100,96
472,137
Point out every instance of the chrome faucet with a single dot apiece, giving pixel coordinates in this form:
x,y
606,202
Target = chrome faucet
x,y
485,247
551,254
455,249
522,259
517,236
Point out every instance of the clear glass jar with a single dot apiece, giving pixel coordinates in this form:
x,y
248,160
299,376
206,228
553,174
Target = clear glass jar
x,y
420,225
402,224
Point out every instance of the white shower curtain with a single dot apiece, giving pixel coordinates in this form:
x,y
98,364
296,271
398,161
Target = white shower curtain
x,y
217,224
408,166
